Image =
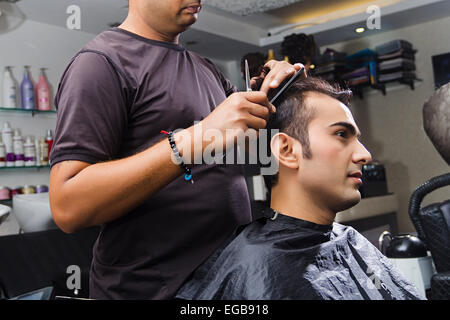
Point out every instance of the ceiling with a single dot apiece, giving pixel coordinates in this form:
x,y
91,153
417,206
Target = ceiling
x,y
244,8
227,29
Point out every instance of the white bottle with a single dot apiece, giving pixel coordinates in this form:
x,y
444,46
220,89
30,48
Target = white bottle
x,y
38,152
30,152
2,153
18,149
8,141
43,146
9,90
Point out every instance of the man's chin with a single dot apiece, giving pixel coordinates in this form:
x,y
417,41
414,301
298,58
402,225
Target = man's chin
x,y
189,19
348,203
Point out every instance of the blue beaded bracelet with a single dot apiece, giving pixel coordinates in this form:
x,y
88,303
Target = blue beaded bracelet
x,y
188,172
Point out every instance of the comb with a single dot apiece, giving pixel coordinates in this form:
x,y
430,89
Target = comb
x,y
287,85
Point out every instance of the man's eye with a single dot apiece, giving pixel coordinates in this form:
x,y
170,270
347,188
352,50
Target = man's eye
x,y
341,133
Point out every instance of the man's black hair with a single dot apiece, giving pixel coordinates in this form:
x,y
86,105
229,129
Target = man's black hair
x,y
256,62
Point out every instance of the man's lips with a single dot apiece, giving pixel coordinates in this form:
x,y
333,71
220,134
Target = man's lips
x,y
195,8
356,176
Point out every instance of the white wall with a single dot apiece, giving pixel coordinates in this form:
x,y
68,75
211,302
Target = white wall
x,y
38,45
231,70
391,125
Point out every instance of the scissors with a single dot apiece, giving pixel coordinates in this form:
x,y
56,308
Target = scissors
x,y
247,77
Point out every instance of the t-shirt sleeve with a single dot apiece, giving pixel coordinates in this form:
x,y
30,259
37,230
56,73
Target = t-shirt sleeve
x,y
228,87
91,104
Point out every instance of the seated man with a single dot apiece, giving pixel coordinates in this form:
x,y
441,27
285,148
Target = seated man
x,y
297,251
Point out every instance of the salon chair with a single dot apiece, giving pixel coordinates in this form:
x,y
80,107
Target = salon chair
x,y
433,227
34,260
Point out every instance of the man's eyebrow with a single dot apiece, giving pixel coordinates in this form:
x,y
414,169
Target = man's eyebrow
x,y
349,126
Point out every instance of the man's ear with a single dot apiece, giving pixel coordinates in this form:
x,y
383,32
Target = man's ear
x,y
286,150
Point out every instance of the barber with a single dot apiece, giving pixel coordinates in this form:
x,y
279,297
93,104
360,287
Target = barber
x,y
112,166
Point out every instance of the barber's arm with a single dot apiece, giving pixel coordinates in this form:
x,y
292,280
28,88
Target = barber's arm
x,y
83,194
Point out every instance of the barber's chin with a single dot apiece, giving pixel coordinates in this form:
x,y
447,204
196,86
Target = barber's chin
x,y
190,18
187,23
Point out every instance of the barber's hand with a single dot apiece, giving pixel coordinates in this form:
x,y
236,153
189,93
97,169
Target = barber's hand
x,y
279,71
238,113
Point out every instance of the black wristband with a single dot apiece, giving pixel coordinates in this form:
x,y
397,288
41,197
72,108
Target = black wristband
x,y
187,171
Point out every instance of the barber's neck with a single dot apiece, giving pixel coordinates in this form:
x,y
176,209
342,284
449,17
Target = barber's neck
x,y
290,200
133,23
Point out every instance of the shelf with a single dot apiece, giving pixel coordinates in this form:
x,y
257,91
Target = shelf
x,y
29,111
31,167
359,91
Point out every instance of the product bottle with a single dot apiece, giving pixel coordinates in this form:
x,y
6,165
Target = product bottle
x,y
7,136
43,92
30,152
271,55
18,149
37,148
49,141
9,90
43,151
27,90
2,153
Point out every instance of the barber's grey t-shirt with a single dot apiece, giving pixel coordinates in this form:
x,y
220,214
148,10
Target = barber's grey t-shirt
x,y
114,98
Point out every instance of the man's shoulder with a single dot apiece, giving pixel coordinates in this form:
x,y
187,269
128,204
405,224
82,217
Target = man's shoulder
x,y
208,63
341,229
348,232
109,48
104,41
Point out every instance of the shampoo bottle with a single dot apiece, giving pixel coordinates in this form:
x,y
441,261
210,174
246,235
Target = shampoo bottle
x,y
9,90
30,152
18,149
49,141
2,153
8,141
43,152
37,148
43,92
270,55
27,90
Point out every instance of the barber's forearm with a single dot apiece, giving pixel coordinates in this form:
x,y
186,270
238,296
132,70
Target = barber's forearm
x,y
105,191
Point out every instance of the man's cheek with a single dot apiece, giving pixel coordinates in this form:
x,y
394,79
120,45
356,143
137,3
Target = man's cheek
x,y
328,153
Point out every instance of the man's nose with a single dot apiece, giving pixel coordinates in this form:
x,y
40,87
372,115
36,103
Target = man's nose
x,y
362,155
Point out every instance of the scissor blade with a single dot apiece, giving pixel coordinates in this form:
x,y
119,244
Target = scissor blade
x,y
247,77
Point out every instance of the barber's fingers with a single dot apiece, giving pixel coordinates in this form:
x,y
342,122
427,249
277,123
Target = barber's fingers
x,y
256,122
260,98
259,111
279,71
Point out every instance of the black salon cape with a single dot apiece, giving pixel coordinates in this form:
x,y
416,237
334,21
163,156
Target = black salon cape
x,y
289,258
